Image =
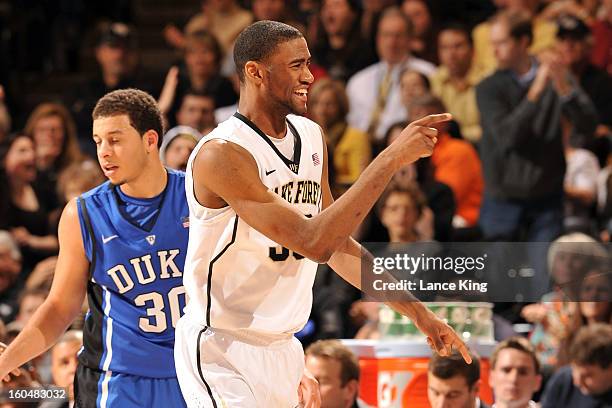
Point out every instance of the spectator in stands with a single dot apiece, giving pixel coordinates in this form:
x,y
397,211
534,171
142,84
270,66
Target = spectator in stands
x,y
10,268
400,209
348,148
117,55
587,382
23,207
569,258
64,362
580,188
276,10
455,80
455,164
594,305
339,46
57,146
337,370
423,44
515,374
440,198
374,92
521,149
197,110
543,36
78,178
177,145
75,180
202,57
413,84
575,42
225,19
29,301
370,18
451,383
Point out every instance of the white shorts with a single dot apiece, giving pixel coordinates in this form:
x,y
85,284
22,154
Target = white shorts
x,y
218,369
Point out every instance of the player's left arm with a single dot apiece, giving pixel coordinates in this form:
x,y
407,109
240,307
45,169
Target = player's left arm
x,y
347,262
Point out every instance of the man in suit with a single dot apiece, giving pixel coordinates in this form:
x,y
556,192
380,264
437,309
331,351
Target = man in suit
x,y
452,383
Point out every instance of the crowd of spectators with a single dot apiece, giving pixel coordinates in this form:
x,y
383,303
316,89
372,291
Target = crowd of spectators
x,y
527,156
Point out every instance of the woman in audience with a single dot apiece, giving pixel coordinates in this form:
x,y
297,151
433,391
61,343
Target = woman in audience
x,y
57,146
338,46
348,148
424,42
593,306
24,206
569,257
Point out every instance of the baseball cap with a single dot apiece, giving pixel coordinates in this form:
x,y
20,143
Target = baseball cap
x,y
116,35
569,26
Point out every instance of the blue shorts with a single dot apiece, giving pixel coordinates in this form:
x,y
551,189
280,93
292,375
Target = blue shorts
x,y
94,388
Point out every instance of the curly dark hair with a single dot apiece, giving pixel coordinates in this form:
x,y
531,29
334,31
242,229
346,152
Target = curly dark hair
x,y
140,107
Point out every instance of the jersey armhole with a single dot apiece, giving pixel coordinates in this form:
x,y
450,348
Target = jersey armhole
x,y
87,233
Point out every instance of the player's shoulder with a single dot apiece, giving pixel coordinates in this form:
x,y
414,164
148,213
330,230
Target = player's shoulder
x,y
98,191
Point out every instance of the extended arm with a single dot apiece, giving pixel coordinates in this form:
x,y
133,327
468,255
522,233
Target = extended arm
x,y
226,173
63,303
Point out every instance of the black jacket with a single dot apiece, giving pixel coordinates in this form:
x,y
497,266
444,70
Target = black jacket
x,y
522,147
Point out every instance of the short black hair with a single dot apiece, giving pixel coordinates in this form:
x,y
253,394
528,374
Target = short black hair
x,y
453,365
141,108
259,40
460,28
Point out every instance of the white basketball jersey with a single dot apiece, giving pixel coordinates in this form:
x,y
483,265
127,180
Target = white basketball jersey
x,y
236,277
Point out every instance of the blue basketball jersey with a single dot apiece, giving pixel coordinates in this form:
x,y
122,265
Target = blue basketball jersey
x,y
135,291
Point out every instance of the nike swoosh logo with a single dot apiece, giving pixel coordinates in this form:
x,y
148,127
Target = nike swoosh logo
x,y
108,239
270,172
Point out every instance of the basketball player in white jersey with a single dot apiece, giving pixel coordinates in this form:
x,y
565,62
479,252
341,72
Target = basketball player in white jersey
x,y
261,217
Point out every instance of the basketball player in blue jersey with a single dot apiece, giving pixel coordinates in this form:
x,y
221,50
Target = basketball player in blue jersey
x,y
123,244
261,217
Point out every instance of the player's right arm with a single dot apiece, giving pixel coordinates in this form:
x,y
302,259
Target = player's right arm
x,y
225,173
63,303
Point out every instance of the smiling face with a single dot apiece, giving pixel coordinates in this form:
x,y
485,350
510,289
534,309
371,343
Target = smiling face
x,y
337,16
20,160
122,151
288,77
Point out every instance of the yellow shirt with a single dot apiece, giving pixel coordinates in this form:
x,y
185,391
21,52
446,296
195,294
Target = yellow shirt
x,y
544,36
460,102
351,156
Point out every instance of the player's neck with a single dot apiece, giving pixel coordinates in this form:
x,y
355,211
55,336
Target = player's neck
x,y
149,183
264,118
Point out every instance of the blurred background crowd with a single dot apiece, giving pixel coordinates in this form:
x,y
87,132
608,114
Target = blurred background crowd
x,y
526,157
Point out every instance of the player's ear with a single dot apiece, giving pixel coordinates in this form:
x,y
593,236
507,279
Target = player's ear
x,y
253,70
150,138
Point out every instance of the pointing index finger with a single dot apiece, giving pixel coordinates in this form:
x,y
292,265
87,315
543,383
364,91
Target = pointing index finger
x,y
464,351
432,119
